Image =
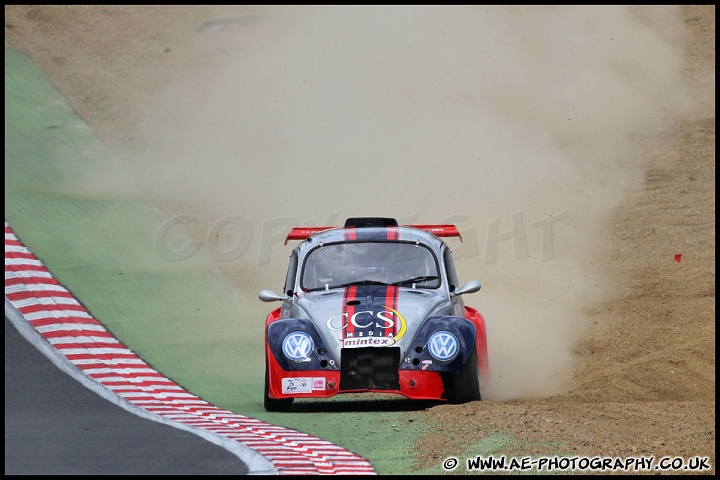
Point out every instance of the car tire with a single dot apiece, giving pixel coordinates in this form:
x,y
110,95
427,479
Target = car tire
x,y
464,386
274,404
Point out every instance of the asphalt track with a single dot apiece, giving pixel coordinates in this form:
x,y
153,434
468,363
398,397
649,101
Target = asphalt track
x,y
55,425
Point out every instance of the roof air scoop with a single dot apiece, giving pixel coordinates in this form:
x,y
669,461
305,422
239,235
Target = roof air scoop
x,y
371,222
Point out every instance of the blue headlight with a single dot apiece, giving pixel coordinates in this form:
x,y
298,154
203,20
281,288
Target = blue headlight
x,y
298,346
443,346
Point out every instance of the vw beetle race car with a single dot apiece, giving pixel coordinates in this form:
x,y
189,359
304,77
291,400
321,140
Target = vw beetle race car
x,y
373,307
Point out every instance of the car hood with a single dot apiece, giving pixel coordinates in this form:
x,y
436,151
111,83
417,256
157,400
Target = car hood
x,y
369,315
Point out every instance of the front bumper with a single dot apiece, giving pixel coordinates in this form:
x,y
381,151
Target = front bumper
x,y
413,384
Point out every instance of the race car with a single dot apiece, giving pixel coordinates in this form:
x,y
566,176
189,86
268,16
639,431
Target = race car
x,y
373,306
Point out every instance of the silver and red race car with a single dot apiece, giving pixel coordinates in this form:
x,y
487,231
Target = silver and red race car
x,y
373,306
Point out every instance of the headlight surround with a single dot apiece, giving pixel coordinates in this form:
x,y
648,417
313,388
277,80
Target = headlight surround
x,y
298,346
443,346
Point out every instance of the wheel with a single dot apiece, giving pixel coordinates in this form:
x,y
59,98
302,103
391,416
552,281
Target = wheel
x,y
464,386
274,404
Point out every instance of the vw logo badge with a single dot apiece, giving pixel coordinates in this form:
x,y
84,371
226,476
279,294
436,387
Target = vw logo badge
x,y
444,346
298,346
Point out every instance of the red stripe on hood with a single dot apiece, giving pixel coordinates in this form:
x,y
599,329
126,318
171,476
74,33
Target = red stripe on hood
x,y
391,300
348,329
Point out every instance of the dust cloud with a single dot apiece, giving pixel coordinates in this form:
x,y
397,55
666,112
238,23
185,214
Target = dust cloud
x,y
525,126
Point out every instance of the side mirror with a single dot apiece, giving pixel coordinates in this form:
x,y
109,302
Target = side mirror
x,y
470,287
271,296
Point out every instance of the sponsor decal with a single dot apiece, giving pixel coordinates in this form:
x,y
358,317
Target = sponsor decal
x,y
297,385
302,384
369,342
386,327
369,311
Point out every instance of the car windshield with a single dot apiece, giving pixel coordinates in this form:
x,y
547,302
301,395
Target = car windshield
x,y
366,263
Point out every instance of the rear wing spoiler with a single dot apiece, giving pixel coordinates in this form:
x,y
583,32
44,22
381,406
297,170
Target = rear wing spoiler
x,y
439,230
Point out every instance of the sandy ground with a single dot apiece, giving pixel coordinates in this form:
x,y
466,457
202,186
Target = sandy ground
x,y
644,384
